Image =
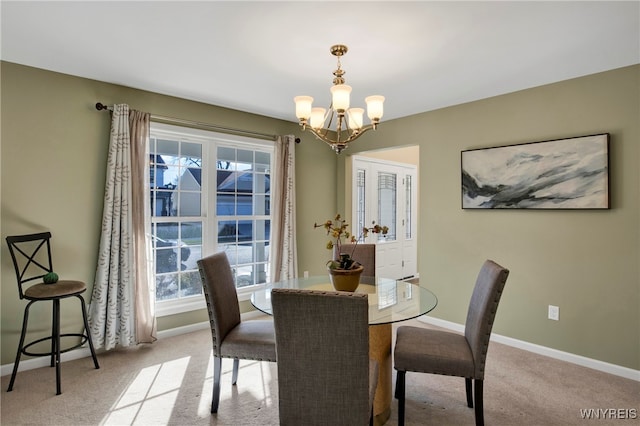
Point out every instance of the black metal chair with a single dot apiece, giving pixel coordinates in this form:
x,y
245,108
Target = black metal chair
x,y
31,255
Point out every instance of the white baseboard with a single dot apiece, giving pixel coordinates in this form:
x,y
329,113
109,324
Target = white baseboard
x,y
617,370
44,361
595,364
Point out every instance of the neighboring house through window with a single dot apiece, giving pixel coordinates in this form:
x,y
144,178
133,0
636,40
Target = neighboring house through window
x,y
209,192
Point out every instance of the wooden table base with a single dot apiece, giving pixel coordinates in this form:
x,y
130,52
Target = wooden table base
x,y
380,350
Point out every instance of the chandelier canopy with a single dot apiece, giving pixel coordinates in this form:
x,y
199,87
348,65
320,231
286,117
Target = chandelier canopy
x,y
349,121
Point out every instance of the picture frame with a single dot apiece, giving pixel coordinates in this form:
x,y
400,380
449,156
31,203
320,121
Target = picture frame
x,y
570,173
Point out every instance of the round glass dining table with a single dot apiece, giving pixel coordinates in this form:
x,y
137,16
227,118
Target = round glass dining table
x,y
390,301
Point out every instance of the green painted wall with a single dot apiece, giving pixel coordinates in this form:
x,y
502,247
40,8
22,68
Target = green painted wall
x,y
585,262
54,146
54,152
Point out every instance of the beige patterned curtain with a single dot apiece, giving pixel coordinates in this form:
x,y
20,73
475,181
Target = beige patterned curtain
x,y
121,311
284,253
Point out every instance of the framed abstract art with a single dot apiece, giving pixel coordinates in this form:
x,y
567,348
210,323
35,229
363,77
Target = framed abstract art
x,y
570,173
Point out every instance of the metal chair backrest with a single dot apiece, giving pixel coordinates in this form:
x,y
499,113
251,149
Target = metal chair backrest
x,y
31,255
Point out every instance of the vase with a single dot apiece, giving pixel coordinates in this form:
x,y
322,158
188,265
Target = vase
x,y
346,279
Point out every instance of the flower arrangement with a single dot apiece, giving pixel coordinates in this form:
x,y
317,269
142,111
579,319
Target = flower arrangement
x,y
337,229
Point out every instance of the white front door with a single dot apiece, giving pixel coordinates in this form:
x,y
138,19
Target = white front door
x,y
384,192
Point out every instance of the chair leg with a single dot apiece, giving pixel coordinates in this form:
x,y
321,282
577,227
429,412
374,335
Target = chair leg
x,y
467,385
56,338
400,394
217,370
25,320
86,329
478,402
53,335
236,366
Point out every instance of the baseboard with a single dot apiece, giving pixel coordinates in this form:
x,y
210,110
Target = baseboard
x,y
32,363
594,364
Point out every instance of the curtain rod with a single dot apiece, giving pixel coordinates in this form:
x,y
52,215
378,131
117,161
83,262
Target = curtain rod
x,y
189,123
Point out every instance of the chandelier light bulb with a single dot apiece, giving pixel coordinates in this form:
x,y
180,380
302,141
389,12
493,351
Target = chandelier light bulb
x,y
303,106
355,116
349,122
374,107
317,118
340,95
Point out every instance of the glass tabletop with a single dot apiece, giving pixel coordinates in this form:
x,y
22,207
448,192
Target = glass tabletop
x,y
389,300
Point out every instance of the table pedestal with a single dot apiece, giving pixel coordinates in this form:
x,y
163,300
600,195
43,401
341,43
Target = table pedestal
x,y
380,350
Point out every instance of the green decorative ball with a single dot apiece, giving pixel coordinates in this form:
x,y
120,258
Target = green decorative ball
x,y
50,278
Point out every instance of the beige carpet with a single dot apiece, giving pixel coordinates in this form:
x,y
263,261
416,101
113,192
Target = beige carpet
x,y
169,383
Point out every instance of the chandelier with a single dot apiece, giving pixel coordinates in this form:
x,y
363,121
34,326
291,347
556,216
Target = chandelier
x,y
348,121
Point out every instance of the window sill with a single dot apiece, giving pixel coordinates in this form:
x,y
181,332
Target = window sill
x,y
173,307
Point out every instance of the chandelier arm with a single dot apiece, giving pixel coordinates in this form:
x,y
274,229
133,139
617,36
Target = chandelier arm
x,y
355,135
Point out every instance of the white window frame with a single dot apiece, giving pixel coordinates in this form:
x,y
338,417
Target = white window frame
x,y
210,141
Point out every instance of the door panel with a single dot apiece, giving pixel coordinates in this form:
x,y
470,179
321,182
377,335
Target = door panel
x,y
385,192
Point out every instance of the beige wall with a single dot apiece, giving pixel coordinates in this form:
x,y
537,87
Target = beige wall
x,y
54,146
54,151
585,262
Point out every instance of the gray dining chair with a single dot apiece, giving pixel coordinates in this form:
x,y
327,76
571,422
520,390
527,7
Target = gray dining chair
x,y
432,351
325,376
365,254
232,338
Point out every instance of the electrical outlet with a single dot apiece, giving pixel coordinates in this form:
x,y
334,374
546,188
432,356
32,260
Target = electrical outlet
x,y
554,313
306,274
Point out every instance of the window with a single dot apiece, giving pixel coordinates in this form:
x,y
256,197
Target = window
x,y
209,192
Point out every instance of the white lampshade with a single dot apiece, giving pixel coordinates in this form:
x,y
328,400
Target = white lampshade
x,y
356,119
303,106
340,94
317,118
374,107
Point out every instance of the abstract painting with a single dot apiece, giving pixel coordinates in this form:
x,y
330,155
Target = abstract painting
x,y
568,173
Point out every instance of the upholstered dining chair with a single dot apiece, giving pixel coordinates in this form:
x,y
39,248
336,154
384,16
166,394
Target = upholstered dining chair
x,y
442,352
325,376
365,254
232,338
32,260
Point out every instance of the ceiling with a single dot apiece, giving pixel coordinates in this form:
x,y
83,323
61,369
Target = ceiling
x,y
256,56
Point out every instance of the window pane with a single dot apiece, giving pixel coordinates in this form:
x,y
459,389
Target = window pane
x,y
407,209
244,276
192,154
245,230
225,205
189,204
245,253
361,201
387,203
166,231
190,284
167,147
166,260
245,160
166,287
226,158
263,162
245,205
191,233
226,181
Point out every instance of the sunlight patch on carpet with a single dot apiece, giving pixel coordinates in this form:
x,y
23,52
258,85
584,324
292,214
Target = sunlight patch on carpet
x,y
151,396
